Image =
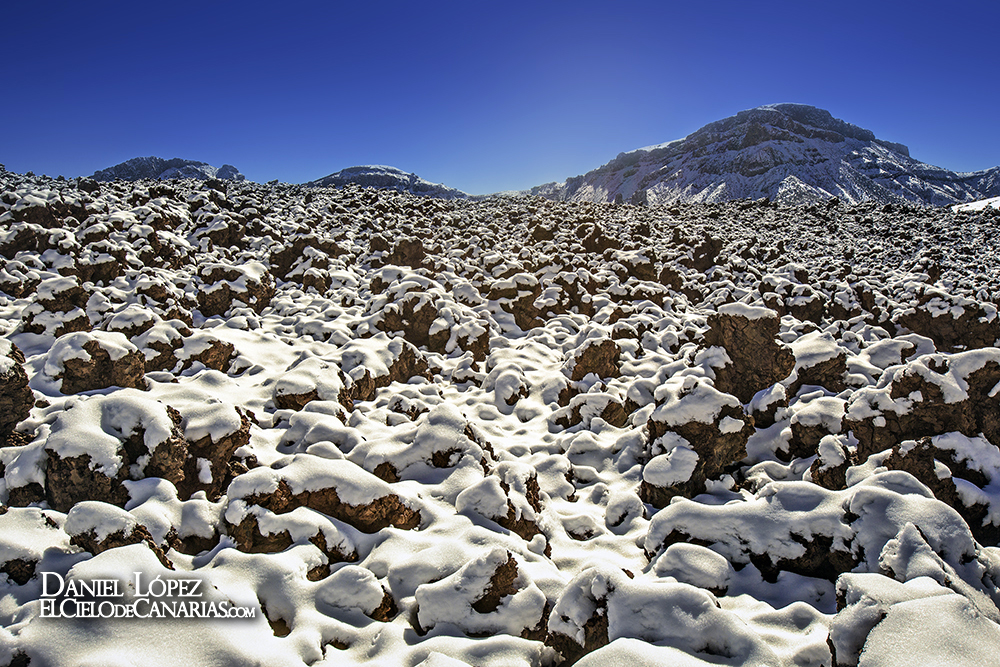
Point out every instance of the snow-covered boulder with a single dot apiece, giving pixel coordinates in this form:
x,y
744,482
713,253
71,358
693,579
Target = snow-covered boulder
x,y
489,594
95,527
60,307
250,283
85,361
694,434
335,487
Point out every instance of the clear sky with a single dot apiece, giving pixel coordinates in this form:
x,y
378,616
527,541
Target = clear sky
x,y
482,96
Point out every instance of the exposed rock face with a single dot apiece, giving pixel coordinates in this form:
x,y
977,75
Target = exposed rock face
x,y
598,357
158,449
407,362
72,479
20,570
384,511
251,283
407,252
60,308
375,511
250,538
211,459
97,360
16,398
939,468
749,337
138,535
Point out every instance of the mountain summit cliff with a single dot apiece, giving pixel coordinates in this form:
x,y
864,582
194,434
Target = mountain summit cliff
x,y
791,153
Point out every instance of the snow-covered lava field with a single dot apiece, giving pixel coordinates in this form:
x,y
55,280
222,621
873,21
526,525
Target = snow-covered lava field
x,y
406,431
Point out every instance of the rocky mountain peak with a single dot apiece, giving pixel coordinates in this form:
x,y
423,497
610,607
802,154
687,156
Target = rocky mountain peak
x,y
158,168
792,153
382,177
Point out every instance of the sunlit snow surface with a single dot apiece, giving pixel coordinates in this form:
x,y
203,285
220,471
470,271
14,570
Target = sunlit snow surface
x,y
476,440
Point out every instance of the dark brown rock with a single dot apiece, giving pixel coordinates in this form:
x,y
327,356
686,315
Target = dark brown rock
x,y
217,453
501,585
920,461
249,539
832,476
387,609
595,635
101,371
599,357
407,252
70,480
410,363
931,415
758,359
16,397
224,285
217,355
20,570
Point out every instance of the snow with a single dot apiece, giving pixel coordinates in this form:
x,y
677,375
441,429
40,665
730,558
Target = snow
x,y
671,468
790,153
213,420
451,600
945,631
979,205
747,311
71,346
6,360
688,399
98,518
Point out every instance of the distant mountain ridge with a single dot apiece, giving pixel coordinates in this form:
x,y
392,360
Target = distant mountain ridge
x,y
387,178
791,153
157,168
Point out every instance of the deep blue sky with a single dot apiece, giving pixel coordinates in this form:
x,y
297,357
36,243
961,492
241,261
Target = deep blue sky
x,y
483,96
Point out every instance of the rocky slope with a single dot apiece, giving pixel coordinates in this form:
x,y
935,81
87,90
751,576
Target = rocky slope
x,y
406,430
387,178
790,153
157,168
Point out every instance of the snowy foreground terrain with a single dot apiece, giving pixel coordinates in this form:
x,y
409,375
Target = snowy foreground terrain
x,y
405,431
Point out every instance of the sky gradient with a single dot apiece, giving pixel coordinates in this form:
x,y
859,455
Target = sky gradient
x,y
481,96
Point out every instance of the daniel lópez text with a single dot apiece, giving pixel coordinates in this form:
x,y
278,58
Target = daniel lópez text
x,y
158,597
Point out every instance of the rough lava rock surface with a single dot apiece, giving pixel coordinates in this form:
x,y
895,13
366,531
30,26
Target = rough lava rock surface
x,y
507,430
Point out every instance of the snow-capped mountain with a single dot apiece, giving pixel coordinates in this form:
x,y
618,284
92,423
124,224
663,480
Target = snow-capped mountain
x,y
157,168
791,153
387,178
